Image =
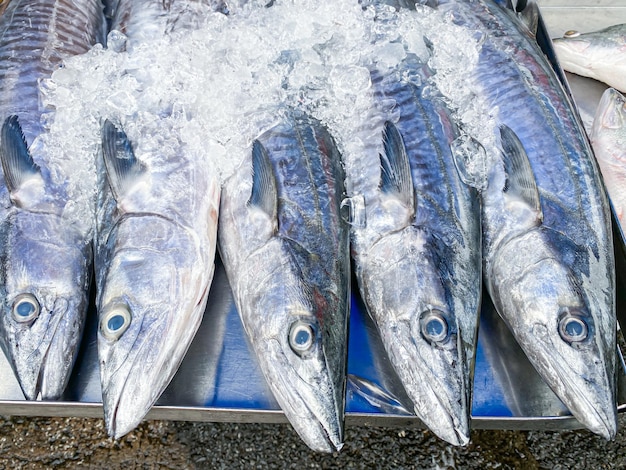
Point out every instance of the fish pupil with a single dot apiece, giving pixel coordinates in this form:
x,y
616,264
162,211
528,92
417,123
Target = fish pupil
x,y
435,327
302,337
115,322
25,309
575,328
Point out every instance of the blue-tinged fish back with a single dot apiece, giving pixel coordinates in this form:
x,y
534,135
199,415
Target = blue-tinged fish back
x,y
310,179
35,36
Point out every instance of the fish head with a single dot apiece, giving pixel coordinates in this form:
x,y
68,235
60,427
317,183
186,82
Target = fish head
x,y
47,273
611,112
402,285
564,331
153,290
298,334
590,53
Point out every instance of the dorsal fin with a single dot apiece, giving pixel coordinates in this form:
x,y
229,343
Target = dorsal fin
x,y
17,162
520,180
264,193
123,169
395,175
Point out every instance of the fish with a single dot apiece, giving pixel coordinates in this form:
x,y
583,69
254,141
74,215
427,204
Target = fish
x,y
46,256
417,252
548,260
156,243
156,239
285,248
600,55
608,139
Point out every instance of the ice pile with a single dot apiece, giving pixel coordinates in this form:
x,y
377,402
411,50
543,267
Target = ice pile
x,y
216,88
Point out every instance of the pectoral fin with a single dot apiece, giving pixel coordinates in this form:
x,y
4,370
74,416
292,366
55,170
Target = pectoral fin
x,y
395,175
17,163
520,180
264,193
123,169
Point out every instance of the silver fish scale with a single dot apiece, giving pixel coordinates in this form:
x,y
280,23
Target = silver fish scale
x,y
427,130
34,39
305,216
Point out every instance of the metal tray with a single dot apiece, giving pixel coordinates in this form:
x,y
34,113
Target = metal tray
x,y
219,380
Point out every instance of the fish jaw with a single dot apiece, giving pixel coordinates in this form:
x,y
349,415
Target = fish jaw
x,y
434,373
581,373
162,282
129,391
54,273
440,398
611,112
312,405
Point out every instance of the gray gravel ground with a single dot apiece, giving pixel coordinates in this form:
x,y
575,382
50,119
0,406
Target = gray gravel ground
x,y
64,443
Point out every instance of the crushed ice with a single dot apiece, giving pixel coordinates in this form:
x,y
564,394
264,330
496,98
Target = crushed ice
x,y
216,88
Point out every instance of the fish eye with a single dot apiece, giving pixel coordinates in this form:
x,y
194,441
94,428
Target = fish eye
x,y
25,308
573,327
434,326
115,321
301,337
571,34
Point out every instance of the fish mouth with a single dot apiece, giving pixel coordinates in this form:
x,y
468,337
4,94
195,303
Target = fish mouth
x,y
590,401
315,408
596,415
124,396
44,370
439,396
134,377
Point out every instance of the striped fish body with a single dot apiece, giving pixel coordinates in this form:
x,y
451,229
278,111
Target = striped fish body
x,y
46,257
418,254
156,235
285,250
548,255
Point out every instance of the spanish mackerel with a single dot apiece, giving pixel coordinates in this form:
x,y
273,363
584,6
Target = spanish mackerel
x,y
547,244
46,254
598,54
285,250
418,251
156,238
